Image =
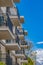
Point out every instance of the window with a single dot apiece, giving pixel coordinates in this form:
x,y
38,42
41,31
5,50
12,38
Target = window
x,y
13,11
8,41
1,20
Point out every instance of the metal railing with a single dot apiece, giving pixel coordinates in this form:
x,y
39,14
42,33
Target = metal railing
x,y
6,22
19,52
13,11
22,42
20,31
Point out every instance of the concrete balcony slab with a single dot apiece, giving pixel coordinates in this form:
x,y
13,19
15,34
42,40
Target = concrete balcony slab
x,y
5,33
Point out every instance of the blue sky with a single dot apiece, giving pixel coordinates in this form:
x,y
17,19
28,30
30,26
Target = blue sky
x,y
32,10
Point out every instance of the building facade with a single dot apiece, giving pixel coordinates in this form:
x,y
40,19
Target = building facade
x,y
12,35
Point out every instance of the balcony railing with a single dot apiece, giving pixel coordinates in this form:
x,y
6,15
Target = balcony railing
x,y
18,54
24,43
13,15
17,31
6,22
13,11
22,60
22,51
21,31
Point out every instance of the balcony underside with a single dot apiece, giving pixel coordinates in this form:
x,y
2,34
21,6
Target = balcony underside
x,y
6,3
5,33
16,1
12,46
21,19
21,37
14,20
24,46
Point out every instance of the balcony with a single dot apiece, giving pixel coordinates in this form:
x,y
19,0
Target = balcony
x,y
5,29
14,15
21,37
11,46
20,61
18,54
21,19
15,20
24,44
6,3
5,33
19,34
21,30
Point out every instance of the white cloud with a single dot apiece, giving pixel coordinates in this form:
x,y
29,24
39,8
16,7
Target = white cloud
x,y
40,42
39,56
